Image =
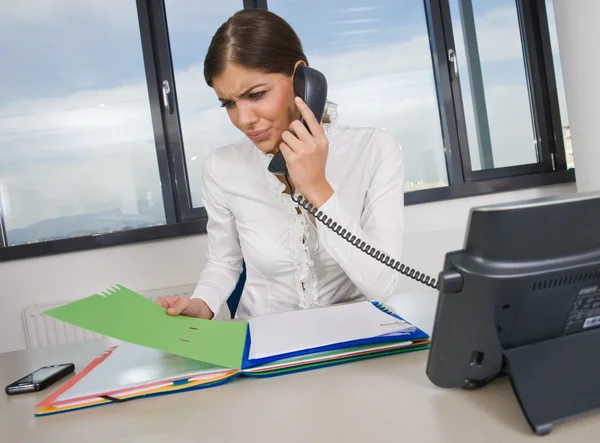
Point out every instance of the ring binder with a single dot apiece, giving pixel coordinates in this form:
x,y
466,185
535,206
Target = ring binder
x,y
175,367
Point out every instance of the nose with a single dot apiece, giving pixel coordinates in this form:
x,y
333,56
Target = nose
x,y
247,116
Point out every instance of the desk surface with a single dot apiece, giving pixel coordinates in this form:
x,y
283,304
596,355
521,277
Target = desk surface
x,y
380,400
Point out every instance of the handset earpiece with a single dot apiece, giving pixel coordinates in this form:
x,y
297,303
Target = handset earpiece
x,y
311,86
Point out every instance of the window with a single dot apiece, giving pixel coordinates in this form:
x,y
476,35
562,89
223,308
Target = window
x,y
204,124
105,117
77,152
377,62
560,86
493,82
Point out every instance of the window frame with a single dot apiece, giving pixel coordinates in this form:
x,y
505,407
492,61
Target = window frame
x,y
184,219
3,238
544,101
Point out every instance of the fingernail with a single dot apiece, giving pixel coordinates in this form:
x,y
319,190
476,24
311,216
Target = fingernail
x,y
298,99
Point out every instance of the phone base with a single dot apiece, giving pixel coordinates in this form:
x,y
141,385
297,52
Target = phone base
x,y
557,379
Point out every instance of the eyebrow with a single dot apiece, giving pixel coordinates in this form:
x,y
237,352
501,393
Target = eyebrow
x,y
246,92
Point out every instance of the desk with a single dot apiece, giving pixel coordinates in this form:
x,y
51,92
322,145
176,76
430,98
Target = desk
x,y
386,399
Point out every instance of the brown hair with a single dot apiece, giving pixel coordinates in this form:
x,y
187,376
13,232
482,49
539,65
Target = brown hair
x,y
254,39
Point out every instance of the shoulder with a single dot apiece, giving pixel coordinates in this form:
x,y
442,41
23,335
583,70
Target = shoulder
x,y
376,142
227,159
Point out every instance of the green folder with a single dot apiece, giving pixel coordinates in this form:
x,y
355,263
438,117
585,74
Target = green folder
x,y
125,315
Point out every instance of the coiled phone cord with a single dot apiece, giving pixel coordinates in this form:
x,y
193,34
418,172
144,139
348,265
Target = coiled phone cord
x,y
360,244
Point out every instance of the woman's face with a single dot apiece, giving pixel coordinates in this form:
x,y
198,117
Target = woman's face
x,y
260,105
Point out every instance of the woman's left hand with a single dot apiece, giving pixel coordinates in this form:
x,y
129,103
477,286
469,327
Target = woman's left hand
x,y
305,154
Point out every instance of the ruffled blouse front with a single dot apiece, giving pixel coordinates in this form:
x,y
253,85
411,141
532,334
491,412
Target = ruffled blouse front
x,y
293,261
302,238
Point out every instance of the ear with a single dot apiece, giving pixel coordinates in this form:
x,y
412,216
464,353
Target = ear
x,y
298,63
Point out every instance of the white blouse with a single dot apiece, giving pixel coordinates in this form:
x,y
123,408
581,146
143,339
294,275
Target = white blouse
x,y
293,261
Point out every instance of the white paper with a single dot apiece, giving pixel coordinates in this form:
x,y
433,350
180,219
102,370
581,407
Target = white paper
x,y
131,366
293,331
326,355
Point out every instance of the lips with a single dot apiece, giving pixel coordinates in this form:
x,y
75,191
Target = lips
x,y
256,136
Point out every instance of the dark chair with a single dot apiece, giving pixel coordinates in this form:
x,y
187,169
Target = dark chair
x,y
234,299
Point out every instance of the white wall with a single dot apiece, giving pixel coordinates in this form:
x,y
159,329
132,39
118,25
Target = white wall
x,y
436,228
431,231
578,39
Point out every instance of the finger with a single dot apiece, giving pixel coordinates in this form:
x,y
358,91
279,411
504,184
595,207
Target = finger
x,y
166,301
309,117
292,141
301,132
288,153
163,302
178,307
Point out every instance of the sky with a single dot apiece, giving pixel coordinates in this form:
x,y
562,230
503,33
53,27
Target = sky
x,y
75,129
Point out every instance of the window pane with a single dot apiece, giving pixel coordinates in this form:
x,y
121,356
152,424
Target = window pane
x,y
205,125
77,153
493,83
560,85
378,65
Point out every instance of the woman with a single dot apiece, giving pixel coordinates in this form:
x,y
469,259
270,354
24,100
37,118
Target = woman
x,y
353,175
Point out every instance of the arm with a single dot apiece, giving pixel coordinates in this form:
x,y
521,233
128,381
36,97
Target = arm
x,y
380,225
224,257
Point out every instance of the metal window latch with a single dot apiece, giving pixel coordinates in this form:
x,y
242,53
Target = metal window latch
x,y
166,93
453,61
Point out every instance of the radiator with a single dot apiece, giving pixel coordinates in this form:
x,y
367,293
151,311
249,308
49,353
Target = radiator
x,y
41,330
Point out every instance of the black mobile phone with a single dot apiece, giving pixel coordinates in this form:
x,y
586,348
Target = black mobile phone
x,y
40,379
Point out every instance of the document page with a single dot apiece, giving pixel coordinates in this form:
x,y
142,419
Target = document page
x,y
130,366
293,331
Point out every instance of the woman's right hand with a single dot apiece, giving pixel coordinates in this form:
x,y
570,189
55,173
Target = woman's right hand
x,y
190,307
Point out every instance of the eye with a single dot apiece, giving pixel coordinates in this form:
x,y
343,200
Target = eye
x,y
227,104
256,95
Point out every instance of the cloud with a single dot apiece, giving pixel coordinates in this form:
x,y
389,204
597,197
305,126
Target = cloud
x,y
53,137
355,10
197,19
57,47
44,11
498,36
183,14
93,149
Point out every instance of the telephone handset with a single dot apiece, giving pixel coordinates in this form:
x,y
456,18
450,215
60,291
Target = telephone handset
x,y
311,86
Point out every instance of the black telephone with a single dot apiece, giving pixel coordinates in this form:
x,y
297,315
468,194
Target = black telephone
x,y
311,86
